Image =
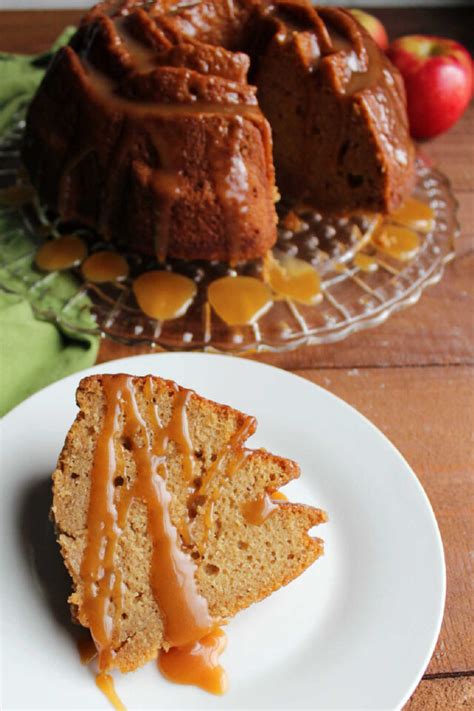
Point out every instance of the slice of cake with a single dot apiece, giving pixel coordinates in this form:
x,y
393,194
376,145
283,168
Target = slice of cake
x,y
167,524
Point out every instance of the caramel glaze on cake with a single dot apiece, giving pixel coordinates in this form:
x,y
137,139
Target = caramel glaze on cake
x,y
146,126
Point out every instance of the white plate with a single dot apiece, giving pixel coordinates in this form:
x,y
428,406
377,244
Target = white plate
x,y
355,631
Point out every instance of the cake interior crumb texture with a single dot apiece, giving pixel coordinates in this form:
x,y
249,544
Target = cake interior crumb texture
x,y
236,563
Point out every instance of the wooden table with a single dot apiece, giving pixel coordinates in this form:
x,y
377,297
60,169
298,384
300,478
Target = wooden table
x,y
412,376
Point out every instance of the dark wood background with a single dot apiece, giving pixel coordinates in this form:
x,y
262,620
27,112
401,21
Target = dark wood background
x,y
412,376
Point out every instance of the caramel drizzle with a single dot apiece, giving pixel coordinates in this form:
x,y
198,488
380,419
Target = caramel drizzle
x,y
106,684
235,449
104,88
97,567
176,429
231,182
166,186
184,610
228,461
141,55
231,176
278,496
257,511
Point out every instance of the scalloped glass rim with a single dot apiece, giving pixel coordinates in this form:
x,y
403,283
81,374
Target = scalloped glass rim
x,y
353,300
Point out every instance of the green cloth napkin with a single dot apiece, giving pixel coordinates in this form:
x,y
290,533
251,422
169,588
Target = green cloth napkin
x,y
35,351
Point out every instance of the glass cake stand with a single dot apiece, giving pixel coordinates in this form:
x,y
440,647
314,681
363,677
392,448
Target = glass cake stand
x,y
352,298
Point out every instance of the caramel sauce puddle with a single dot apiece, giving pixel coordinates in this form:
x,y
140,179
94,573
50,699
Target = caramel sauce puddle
x,y
415,214
61,253
239,300
397,241
292,278
365,262
197,663
164,295
104,266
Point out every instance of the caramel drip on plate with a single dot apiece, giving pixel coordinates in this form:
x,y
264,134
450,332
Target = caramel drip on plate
x,y
104,266
197,663
164,295
185,612
257,511
106,685
415,214
397,241
293,278
239,300
365,262
61,253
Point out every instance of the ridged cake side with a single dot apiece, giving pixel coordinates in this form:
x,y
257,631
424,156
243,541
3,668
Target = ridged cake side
x,y
154,139
147,129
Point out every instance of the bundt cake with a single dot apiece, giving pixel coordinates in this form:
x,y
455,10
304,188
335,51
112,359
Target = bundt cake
x,y
154,125
155,504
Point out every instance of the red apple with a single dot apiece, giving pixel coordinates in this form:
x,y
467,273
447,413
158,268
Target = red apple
x,y
373,26
438,78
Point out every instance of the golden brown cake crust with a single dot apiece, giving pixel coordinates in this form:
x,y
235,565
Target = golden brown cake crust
x,y
237,562
147,129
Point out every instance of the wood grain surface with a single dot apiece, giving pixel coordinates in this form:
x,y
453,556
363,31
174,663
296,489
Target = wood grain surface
x,y
412,376
401,403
